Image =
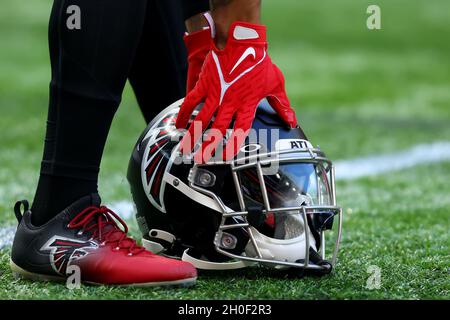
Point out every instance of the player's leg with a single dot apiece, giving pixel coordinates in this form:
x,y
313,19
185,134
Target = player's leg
x,y
158,74
67,225
89,70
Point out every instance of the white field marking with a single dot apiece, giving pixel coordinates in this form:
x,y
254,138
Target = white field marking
x,y
6,236
375,165
345,170
125,209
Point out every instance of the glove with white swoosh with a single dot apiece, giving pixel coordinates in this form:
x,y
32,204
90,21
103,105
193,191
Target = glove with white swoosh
x,y
231,84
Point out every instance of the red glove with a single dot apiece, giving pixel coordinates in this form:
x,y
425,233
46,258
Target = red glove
x,y
198,45
232,82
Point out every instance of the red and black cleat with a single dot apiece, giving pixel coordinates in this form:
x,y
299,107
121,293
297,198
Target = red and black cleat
x,y
89,236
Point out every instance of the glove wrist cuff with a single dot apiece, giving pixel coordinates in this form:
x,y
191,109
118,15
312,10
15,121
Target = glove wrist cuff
x,y
245,32
200,40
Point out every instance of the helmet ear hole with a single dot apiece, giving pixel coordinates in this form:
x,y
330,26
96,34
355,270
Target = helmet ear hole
x,y
204,178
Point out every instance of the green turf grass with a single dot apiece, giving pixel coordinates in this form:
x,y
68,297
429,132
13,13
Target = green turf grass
x,y
357,92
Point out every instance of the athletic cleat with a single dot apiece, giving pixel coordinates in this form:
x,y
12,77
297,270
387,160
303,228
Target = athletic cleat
x,y
89,236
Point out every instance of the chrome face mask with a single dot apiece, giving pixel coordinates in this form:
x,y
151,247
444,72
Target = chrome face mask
x,y
286,204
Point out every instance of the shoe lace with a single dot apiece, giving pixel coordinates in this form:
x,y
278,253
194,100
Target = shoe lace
x,y
102,223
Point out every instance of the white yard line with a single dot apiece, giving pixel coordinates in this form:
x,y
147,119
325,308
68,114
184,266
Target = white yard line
x,y
345,170
123,208
384,163
6,236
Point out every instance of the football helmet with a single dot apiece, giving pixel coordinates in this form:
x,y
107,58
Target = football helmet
x,y
271,205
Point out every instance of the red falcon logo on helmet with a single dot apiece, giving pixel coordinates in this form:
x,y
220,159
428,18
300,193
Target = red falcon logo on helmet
x,y
160,141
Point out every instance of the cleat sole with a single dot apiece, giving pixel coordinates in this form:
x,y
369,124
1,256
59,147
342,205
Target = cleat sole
x,y
19,273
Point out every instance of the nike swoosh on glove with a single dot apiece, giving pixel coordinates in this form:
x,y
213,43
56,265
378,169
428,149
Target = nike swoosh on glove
x,y
198,45
231,84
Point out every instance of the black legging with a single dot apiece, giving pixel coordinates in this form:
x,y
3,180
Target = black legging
x,y
139,40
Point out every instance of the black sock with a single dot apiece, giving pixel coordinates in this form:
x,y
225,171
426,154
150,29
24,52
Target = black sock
x,y
54,194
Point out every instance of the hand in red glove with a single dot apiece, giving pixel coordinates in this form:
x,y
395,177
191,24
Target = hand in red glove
x,y
232,82
198,45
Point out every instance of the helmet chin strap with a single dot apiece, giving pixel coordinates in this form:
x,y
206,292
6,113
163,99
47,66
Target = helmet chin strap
x,y
208,265
156,247
289,250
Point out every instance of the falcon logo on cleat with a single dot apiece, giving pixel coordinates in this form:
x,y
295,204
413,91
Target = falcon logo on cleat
x,y
63,251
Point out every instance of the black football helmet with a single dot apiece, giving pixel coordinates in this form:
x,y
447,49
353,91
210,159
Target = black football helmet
x,y
270,205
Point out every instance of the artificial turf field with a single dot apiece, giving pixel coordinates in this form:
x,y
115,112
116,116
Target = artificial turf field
x,y
357,93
